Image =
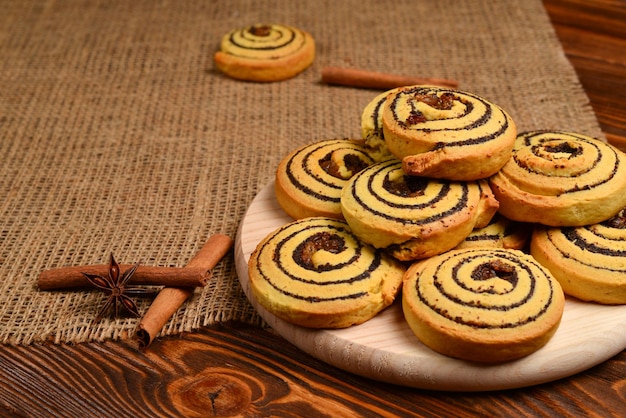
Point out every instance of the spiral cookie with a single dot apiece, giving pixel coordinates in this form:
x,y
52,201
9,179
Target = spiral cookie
x,y
485,305
588,261
372,128
413,217
315,273
499,233
446,133
265,52
561,179
309,180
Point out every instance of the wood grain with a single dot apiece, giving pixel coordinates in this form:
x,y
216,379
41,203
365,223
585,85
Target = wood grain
x,y
231,370
384,348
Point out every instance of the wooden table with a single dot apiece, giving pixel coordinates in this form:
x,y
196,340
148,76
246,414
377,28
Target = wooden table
x,y
240,370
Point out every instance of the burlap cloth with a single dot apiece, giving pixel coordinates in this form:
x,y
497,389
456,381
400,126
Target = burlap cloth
x,y
117,134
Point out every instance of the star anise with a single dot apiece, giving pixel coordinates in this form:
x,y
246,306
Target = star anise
x,y
115,285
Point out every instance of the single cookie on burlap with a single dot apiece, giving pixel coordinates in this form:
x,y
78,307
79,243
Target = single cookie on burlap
x,y
265,52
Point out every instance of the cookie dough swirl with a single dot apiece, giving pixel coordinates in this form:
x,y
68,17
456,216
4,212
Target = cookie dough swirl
x,y
487,305
413,217
446,133
316,273
265,52
309,180
588,261
561,178
372,127
501,232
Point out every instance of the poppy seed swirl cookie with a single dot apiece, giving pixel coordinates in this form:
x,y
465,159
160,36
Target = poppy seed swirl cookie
x,y
315,273
499,233
588,261
483,305
558,178
372,128
413,217
265,52
445,133
309,180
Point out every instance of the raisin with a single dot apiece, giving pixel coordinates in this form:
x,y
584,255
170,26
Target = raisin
x,y
321,241
261,30
411,186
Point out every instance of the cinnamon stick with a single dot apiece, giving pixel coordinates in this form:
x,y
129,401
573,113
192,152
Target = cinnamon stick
x,y
375,80
72,277
170,299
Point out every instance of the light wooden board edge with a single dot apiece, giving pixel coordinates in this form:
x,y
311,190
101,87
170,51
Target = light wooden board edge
x,y
385,349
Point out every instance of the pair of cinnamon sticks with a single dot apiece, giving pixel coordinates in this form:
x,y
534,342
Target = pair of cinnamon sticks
x,y
179,283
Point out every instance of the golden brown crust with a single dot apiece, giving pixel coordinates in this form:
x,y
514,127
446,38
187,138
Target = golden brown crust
x,y
446,133
309,180
315,273
499,233
372,127
265,53
483,305
588,261
561,179
413,217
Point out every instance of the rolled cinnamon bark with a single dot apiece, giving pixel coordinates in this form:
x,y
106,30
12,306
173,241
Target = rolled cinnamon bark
x,y
170,299
72,277
375,80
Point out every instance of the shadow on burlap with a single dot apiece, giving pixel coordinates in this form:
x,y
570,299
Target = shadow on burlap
x,y
117,135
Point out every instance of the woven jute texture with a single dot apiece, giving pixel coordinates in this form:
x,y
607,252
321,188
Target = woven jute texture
x,y
118,135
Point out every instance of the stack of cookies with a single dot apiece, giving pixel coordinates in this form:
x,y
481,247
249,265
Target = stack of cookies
x,y
481,228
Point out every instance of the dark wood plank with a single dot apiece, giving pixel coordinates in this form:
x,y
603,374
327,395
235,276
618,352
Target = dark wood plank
x,y
233,370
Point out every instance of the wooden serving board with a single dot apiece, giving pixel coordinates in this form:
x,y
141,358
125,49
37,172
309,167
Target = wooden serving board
x,y
385,349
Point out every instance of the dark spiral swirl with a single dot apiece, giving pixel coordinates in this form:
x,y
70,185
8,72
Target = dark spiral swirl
x,y
317,265
386,207
440,117
486,288
589,261
313,176
264,41
561,178
556,163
